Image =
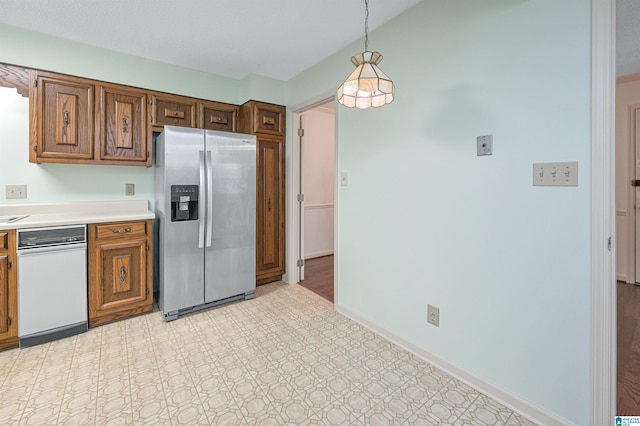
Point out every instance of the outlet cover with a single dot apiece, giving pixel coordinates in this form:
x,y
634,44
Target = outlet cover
x,y
433,315
129,189
15,191
485,145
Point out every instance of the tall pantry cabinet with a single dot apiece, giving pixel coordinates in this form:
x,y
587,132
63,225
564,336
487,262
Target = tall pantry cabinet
x,y
267,122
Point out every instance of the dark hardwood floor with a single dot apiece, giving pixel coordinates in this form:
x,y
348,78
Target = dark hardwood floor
x,y
318,276
628,348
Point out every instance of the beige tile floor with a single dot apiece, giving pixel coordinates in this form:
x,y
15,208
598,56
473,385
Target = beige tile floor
x,y
284,357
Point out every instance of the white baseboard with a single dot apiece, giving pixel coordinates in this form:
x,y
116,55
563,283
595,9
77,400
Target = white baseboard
x,y
318,254
533,412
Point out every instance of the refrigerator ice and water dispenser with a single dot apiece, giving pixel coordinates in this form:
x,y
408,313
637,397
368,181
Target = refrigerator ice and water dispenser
x,y
184,202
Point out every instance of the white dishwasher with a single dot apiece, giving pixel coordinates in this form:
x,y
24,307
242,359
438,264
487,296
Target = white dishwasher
x,y
52,283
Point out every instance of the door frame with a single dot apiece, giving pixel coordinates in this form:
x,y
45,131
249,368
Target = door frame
x,y
293,183
603,276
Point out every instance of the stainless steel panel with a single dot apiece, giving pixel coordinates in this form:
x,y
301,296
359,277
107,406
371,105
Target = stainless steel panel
x,y
181,262
231,260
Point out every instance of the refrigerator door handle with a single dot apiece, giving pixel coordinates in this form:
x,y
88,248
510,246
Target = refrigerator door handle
x,y
201,198
209,199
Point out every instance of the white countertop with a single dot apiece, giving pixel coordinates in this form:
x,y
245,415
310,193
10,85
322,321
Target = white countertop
x,y
41,215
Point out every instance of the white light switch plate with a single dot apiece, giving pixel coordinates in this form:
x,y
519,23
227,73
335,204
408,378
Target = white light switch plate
x,y
15,191
555,174
344,179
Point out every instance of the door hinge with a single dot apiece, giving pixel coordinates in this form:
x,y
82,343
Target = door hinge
x,y
147,246
35,148
300,263
9,320
151,119
9,265
147,155
35,83
147,291
609,244
300,131
150,101
300,198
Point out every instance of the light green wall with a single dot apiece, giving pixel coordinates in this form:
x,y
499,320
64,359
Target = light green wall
x,y
62,183
425,221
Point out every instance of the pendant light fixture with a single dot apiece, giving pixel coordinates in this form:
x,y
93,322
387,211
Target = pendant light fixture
x,y
367,86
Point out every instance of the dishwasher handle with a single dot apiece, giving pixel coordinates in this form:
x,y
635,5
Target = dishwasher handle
x,y
39,250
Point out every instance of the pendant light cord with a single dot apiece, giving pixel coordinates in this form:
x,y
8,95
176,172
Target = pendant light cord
x,y
366,25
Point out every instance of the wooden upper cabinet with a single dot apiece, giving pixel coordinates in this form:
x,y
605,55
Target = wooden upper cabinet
x,y
124,126
261,117
173,110
218,116
62,114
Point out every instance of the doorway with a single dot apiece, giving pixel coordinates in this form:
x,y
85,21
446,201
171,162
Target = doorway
x,y
316,206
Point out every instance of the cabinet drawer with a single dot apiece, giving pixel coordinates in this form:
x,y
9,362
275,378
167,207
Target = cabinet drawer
x,y
221,117
269,119
174,111
120,230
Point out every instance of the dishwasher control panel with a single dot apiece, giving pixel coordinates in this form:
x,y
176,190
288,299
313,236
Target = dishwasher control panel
x,y
51,236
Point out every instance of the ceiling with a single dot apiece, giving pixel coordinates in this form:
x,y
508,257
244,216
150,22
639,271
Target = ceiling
x,y
234,38
628,37
231,38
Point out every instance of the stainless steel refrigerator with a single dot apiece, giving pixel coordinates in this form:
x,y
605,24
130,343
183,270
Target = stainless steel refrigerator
x,y
205,228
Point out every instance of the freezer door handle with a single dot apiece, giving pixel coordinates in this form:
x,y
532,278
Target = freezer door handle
x,y
209,199
201,198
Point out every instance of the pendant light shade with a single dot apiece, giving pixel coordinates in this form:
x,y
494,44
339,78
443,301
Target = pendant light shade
x,y
367,86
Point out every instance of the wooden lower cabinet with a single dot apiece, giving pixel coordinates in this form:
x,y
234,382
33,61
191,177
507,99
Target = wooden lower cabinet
x,y
120,270
8,291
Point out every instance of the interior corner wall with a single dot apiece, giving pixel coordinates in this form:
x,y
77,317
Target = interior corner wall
x,y
262,88
627,94
424,220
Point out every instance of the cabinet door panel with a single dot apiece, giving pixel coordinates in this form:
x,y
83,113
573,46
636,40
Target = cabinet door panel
x,y
125,127
121,266
65,111
218,116
270,208
4,294
8,291
174,111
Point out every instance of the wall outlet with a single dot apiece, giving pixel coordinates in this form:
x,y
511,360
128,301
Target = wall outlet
x,y
484,145
15,191
433,315
129,189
